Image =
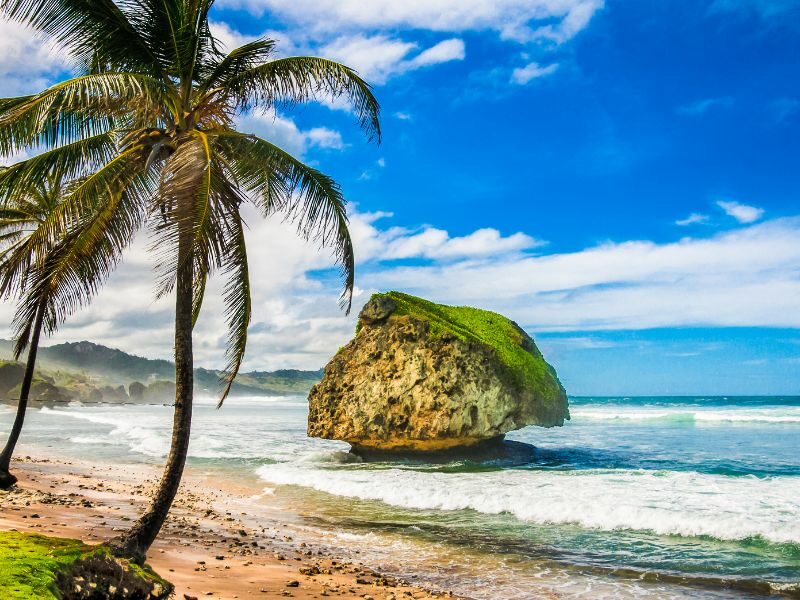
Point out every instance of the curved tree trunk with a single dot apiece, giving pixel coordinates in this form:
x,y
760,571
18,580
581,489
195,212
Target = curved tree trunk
x,y
6,478
135,543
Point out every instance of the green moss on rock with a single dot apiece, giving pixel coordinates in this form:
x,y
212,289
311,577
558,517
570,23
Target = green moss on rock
x,y
46,568
514,348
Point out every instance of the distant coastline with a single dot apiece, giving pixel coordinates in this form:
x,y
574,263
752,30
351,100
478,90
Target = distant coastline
x,y
92,373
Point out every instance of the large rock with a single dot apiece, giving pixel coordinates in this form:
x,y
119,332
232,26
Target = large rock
x,y
421,376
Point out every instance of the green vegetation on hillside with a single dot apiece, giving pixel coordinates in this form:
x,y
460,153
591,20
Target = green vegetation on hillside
x,y
514,348
34,566
91,372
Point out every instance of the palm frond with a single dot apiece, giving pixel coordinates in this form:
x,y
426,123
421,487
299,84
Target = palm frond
x,y
312,200
78,108
88,196
70,161
238,304
297,79
92,31
75,267
240,60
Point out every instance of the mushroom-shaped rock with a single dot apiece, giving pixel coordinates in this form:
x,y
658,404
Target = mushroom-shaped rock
x,y
423,377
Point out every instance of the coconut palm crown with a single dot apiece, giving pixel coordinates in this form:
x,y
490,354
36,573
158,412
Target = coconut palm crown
x,y
147,129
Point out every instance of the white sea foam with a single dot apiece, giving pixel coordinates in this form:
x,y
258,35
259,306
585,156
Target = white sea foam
x,y
777,414
143,433
669,503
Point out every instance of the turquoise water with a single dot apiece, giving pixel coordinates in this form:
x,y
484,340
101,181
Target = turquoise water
x,y
634,497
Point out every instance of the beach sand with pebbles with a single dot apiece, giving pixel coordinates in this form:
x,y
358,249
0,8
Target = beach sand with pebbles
x,y
209,548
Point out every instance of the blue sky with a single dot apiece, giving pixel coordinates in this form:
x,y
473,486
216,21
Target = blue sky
x,y
621,178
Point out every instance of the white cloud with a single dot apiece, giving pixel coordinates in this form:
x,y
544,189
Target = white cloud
x,y
231,38
522,20
378,58
403,116
749,277
396,243
322,137
532,71
437,244
741,212
578,343
375,58
372,173
445,51
28,64
746,277
227,36
693,219
285,133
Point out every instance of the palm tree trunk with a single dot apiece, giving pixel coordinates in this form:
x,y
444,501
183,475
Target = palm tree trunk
x,y
135,543
6,478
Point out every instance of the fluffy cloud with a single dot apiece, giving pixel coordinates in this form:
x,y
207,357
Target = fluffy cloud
x,y
522,20
378,57
285,133
445,51
28,63
746,277
396,243
749,277
532,71
741,212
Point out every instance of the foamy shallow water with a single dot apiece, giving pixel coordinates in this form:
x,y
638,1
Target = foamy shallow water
x,y
694,497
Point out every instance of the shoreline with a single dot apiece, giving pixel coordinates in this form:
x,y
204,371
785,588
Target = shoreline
x,y
209,548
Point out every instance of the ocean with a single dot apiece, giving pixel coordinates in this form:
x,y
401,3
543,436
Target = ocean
x,y
686,497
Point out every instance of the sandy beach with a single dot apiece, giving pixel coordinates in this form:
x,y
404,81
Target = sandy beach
x,y
209,548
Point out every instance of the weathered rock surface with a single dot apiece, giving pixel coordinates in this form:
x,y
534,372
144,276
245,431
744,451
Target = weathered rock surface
x,y
421,376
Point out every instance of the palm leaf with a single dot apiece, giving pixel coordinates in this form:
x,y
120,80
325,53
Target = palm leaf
x,y
240,60
74,268
238,304
312,200
78,108
92,30
71,161
302,78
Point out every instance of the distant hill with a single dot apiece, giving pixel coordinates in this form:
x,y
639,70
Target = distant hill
x,y
113,367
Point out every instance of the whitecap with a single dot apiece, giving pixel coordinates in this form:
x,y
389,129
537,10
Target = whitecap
x,y
664,502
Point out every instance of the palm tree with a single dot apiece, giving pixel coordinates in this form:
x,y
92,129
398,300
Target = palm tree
x,y
39,274
18,221
156,83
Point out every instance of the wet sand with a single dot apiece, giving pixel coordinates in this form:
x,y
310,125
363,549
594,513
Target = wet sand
x,y
209,548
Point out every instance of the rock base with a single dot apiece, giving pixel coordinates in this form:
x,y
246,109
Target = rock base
x,y
497,451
